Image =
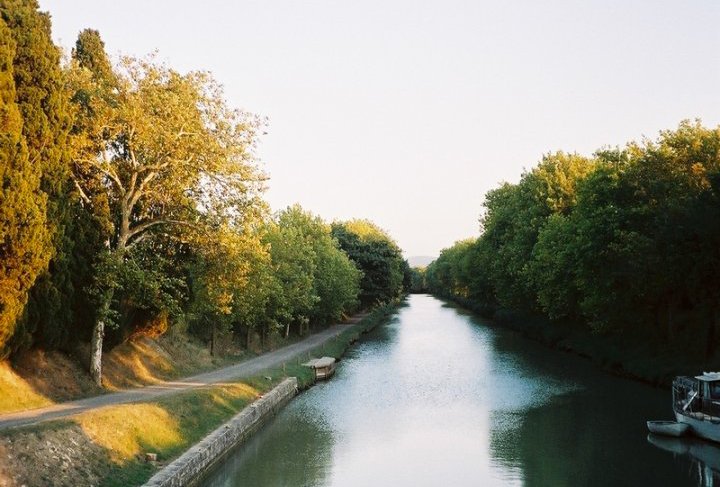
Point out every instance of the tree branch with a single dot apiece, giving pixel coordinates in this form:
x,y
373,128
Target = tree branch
x,y
109,173
82,193
141,189
159,221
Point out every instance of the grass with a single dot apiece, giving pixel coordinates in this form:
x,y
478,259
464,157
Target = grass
x,y
335,347
167,427
112,440
17,393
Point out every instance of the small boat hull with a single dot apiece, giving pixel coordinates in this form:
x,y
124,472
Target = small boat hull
x,y
668,428
704,428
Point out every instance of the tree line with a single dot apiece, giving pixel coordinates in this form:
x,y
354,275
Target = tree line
x,y
131,199
625,243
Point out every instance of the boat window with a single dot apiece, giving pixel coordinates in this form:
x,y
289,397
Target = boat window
x,y
715,390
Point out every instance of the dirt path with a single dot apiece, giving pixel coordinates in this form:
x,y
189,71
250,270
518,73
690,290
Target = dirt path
x,y
247,368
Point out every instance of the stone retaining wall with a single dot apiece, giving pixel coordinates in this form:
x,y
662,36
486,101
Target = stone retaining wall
x,y
196,462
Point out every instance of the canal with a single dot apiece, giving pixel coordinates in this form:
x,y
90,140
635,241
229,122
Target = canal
x,y
438,397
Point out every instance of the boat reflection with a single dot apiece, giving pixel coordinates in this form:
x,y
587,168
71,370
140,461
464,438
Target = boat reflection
x,y
705,455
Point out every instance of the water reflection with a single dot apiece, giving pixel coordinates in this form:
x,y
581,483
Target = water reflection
x,y
703,455
437,397
304,450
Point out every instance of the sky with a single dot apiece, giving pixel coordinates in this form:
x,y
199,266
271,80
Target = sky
x,y
406,112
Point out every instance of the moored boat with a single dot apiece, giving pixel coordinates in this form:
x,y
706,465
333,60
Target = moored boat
x,y
324,367
667,428
696,402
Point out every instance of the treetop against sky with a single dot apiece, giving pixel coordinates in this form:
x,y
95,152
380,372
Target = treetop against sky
x,y
408,113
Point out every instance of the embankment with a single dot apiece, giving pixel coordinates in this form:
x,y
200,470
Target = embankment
x,y
628,355
195,462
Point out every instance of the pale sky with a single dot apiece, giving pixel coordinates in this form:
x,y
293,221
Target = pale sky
x,y
406,112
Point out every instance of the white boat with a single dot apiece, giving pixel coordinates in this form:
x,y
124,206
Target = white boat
x,y
696,402
667,428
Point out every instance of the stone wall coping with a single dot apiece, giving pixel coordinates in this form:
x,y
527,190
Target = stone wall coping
x,y
192,465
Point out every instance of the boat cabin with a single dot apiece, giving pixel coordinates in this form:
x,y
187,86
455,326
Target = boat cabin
x,y
324,367
698,396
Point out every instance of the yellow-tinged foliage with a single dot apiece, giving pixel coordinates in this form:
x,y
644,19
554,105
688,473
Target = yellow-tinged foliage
x,y
366,230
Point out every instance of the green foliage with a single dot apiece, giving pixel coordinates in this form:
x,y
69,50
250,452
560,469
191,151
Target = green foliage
x,y
294,267
318,281
624,243
377,255
283,278
90,54
417,280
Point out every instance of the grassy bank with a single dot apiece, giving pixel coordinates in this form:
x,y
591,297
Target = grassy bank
x,y
335,347
625,355
37,378
106,446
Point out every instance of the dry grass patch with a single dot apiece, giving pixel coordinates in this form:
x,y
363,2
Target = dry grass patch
x,y
55,375
17,393
136,363
129,430
144,360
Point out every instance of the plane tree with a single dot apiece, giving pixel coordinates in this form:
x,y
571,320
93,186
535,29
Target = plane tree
x,y
166,156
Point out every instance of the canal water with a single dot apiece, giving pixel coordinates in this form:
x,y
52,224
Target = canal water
x,y
439,397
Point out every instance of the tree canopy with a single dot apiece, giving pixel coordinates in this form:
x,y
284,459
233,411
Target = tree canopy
x,y
132,199
377,255
622,243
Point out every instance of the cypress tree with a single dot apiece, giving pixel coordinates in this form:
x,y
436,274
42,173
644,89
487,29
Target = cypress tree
x,y
43,105
24,241
90,53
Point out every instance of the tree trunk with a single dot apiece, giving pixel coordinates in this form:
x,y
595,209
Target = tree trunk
x,y
96,352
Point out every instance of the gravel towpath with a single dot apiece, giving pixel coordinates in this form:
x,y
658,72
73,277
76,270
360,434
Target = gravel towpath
x,y
240,370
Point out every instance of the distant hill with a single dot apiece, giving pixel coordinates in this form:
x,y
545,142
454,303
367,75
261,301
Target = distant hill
x,y
420,260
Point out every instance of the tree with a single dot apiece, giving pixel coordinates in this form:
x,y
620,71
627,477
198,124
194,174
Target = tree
x,y
173,159
294,266
513,219
336,279
377,255
24,240
57,308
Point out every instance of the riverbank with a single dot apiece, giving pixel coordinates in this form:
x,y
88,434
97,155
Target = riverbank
x,y
107,446
624,356
198,460
337,346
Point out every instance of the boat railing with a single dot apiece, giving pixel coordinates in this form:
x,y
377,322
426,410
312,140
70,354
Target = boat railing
x,y
687,400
